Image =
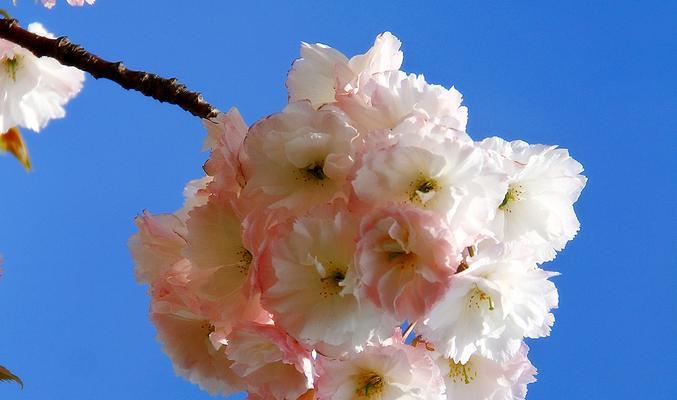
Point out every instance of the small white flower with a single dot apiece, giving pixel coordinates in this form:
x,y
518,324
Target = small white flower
x,y
483,379
492,305
544,183
33,90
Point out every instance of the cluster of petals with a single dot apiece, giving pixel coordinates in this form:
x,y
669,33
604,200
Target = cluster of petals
x,y
362,206
33,90
52,3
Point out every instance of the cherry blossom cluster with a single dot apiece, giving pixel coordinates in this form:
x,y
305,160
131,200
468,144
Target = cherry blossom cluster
x,y
362,207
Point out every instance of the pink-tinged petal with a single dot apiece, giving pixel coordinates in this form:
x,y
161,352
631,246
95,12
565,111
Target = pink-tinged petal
x,y
272,364
405,260
386,99
449,177
322,71
308,280
225,135
157,246
222,264
184,329
297,159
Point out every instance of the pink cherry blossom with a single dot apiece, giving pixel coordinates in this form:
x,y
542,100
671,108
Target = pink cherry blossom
x,y
157,246
405,260
161,239
272,364
297,158
186,334
388,371
225,135
387,98
308,280
322,72
221,264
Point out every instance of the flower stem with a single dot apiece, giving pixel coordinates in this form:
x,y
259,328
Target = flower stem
x,y
408,331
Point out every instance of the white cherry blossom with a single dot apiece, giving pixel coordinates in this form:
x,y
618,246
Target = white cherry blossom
x,y
492,305
537,209
450,177
33,90
390,371
483,379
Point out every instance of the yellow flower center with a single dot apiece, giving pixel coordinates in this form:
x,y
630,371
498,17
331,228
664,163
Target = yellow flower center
x,y
513,195
477,297
331,282
316,171
461,373
369,385
11,66
313,173
245,261
422,189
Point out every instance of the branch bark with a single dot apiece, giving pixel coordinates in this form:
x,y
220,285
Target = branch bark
x,y
67,53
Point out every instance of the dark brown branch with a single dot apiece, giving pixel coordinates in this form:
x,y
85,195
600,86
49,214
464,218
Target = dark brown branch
x,y
67,53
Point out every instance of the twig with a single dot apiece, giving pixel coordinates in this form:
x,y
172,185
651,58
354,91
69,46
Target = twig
x,y
67,53
408,331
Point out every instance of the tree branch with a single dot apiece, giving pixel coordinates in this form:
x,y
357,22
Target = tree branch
x,y
67,53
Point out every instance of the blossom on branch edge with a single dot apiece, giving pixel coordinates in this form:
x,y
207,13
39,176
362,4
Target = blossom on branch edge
x,y
34,90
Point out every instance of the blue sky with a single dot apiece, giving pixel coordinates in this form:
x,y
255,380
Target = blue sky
x,y
597,78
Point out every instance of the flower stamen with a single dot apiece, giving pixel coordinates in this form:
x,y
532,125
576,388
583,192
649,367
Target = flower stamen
x,y
477,296
245,261
512,196
370,384
423,189
461,372
316,171
11,66
331,283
